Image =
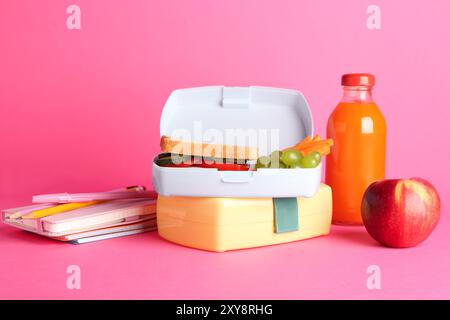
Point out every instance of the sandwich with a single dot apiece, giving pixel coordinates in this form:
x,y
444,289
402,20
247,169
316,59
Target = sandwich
x,y
183,154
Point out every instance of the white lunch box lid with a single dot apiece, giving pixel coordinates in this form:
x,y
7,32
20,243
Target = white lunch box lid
x,y
279,118
263,117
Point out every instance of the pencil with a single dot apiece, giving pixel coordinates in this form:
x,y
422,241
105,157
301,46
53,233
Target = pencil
x,y
58,209
23,212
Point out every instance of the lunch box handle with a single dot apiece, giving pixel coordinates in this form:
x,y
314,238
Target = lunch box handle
x,y
236,177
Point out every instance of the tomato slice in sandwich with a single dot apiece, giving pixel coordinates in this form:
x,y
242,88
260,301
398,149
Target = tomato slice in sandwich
x,y
165,160
225,166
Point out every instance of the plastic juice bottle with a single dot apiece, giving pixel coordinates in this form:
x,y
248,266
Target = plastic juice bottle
x,y
358,156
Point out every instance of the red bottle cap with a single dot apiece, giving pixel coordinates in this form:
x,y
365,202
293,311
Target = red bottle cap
x,y
358,79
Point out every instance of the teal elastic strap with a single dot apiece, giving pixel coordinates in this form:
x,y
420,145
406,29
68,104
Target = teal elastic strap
x,y
286,214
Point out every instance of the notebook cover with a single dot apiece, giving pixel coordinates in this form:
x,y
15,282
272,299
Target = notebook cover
x,y
149,223
111,235
110,212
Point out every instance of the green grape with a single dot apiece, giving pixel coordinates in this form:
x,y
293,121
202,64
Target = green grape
x,y
263,162
295,166
291,157
280,165
275,159
275,155
309,161
317,156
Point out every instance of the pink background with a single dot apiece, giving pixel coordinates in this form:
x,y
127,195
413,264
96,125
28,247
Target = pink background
x,y
79,111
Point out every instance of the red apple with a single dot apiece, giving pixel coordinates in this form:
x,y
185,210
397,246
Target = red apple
x,y
400,213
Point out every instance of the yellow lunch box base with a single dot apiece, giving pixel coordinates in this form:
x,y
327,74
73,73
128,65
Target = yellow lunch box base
x,y
222,224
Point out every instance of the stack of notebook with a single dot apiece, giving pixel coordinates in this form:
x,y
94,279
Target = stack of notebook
x,y
81,218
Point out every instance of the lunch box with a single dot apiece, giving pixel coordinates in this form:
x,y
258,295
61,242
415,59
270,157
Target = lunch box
x,y
218,211
267,118
222,224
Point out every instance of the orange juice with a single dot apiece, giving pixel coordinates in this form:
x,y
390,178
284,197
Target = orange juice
x,y
358,157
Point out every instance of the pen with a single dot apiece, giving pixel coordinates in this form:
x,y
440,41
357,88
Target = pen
x,y
86,197
51,202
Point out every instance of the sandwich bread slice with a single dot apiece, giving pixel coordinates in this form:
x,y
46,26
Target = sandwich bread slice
x,y
207,150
